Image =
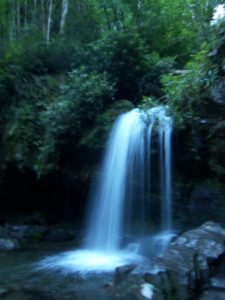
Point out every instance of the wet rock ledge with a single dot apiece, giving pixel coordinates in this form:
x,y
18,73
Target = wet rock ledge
x,y
192,267
14,236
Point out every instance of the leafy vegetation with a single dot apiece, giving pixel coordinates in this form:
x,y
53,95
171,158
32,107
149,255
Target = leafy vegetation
x,y
187,92
67,66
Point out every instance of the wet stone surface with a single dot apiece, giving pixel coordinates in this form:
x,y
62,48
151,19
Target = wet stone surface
x,y
187,264
17,236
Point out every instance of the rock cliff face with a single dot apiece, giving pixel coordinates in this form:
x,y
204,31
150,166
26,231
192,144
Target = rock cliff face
x,y
199,160
217,131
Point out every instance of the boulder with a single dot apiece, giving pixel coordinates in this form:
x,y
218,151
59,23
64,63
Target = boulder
x,y
212,294
121,273
3,292
29,234
218,283
135,288
185,267
9,244
192,267
26,232
218,93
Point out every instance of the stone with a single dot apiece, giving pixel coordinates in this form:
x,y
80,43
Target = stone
x,y
9,244
212,295
212,53
218,283
192,267
207,240
203,268
121,273
218,92
26,232
185,265
3,291
29,234
133,287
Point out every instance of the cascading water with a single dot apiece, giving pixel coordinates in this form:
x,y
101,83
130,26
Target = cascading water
x,y
121,198
124,178
125,147
165,133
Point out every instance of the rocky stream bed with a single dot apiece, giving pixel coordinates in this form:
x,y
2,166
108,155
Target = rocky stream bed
x,y
192,267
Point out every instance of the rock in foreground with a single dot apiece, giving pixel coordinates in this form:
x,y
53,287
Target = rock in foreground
x,y
190,268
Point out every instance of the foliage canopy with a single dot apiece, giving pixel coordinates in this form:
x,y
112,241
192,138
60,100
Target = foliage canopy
x,y
65,65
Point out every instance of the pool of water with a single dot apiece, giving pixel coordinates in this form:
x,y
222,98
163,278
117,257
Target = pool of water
x,y
62,274
54,273
21,278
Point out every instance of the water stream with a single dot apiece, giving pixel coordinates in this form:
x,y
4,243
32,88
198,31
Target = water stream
x,y
122,193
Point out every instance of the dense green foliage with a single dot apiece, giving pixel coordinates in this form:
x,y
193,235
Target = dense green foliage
x,y
187,92
65,66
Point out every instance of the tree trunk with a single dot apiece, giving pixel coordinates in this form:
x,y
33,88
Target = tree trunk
x,y
115,16
49,22
18,13
25,14
107,17
12,21
65,8
35,10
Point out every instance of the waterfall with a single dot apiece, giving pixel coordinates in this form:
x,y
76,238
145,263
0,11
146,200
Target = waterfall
x,y
105,225
136,161
121,196
165,133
